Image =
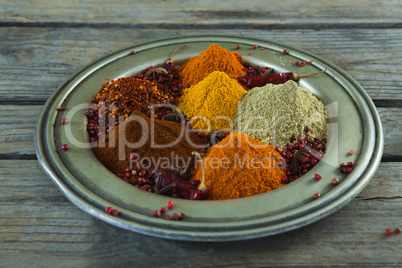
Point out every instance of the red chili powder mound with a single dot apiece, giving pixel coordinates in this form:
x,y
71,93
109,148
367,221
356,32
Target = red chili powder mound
x,y
131,136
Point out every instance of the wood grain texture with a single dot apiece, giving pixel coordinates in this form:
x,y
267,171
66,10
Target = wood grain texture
x,y
197,12
18,122
35,61
39,227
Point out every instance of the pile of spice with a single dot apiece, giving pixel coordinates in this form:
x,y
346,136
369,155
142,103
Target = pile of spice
x,y
129,143
215,58
273,113
216,95
124,96
240,166
128,94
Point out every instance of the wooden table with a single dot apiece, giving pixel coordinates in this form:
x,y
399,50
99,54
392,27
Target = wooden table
x,y
43,43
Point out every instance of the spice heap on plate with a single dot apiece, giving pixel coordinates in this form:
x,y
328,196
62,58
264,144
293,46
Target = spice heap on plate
x,y
215,58
133,144
240,166
273,113
212,102
124,95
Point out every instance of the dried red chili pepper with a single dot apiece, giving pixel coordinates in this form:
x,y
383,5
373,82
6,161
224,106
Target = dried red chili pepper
x,y
170,67
272,78
183,188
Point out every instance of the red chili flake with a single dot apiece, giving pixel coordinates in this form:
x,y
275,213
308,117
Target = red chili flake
x,y
263,48
133,52
115,212
140,76
296,63
388,231
255,46
64,121
162,210
335,181
292,62
61,108
306,129
352,152
316,196
398,230
285,52
302,63
250,53
168,217
317,177
238,47
108,210
133,156
284,179
170,204
64,147
310,62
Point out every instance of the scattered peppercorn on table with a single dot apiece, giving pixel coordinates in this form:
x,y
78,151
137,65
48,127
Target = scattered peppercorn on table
x,y
45,43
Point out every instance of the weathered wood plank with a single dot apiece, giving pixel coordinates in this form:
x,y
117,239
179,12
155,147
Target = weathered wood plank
x,y
17,130
40,227
201,13
35,61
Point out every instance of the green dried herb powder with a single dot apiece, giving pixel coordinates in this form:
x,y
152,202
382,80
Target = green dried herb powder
x,y
274,113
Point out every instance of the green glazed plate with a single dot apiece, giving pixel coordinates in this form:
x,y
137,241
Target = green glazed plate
x,y
353,123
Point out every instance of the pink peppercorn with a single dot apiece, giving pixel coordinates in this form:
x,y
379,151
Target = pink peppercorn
x,y
109,210
170,204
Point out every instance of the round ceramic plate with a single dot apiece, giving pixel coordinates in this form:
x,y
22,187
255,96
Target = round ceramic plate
x,y
353,123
